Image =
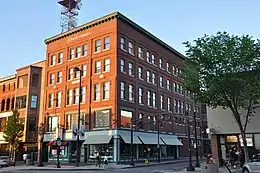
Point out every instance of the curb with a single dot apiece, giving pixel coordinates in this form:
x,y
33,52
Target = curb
x,y
93,169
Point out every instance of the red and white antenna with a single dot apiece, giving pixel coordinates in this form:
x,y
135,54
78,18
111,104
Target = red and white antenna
x,y
69,14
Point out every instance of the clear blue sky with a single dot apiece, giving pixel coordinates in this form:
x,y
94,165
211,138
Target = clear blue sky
x,y
26,23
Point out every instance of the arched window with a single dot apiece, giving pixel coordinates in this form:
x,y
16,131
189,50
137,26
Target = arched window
x,y
12,105
8,104
3,105
3,87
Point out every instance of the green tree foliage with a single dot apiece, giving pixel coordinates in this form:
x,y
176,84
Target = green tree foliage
x,y
223,70
13,131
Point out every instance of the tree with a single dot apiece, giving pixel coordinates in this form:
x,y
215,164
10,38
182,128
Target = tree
x,y
223,70
13,132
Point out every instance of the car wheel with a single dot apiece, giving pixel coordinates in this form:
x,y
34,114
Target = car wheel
x,y
245,170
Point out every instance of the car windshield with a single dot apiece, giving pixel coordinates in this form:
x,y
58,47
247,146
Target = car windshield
x,y
3,157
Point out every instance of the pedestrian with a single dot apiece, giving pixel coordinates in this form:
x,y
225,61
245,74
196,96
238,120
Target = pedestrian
x,y
25,157
98,159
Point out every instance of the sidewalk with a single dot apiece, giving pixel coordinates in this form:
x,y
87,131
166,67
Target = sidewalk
x,y
221,170
87,167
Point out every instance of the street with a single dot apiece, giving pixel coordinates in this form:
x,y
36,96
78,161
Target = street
x,y
149,169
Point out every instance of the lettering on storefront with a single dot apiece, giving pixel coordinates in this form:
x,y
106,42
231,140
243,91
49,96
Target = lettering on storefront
x,y
78,37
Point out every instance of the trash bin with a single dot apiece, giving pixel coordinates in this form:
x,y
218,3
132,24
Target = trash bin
x,y
209,168
28,161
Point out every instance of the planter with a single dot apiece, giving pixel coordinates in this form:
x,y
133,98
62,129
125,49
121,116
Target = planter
x,y
209,168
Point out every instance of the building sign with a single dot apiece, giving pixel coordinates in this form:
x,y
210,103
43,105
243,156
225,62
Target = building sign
x,y
78,37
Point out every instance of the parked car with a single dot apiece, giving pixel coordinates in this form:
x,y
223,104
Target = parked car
x,y
4,161
253,166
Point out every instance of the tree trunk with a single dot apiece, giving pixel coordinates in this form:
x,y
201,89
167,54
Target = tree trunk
x,y
245,146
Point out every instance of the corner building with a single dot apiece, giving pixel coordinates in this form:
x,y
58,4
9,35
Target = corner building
x,y
127,73
22,91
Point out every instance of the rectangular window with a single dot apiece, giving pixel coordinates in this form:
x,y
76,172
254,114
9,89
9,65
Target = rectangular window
x,y
72,54
58,99
53,123
178,88
140,72
52,78
21,102
131,47
122,65
153,59
51,100
140,52
174,70
122,43
182,107
76,74
34,102
78,52
162,102
97,45
71,73
148,75
83,94
76,96
84,70
98,67
131,93
175,106
161,63
161,82
96,92
167,67
84,50
59,79
107,65
154,100
107,43
53,60
106,90
69,97
131,68
168,85
32,124
149,98
140,95
122,90
126,118
35,80
153,78
148,58
102,118
169,108
179,106
60,58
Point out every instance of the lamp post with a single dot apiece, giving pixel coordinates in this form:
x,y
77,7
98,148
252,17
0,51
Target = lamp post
x,y
132,144
159,118
41,133
58,144
190,167
196,140
77,69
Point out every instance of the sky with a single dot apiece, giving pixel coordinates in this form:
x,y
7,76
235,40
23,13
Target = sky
x,y
26,23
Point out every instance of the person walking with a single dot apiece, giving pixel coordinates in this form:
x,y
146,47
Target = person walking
x,y
25,155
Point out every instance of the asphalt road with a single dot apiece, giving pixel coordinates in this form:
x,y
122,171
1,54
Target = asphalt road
x,y
167,168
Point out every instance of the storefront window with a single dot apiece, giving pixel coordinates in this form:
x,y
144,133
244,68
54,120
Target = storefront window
x,y
103,149
102,118
126,117
63,151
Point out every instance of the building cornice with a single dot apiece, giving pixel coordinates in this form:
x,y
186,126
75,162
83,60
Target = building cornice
x,y
110,17
8,78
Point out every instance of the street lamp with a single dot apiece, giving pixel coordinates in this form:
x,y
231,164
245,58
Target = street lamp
x,y
196,140
77,69
190,167
159,118
58,144
41,133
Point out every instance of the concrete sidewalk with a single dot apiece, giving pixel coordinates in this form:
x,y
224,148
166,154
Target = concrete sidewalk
x,y
86,167
221,170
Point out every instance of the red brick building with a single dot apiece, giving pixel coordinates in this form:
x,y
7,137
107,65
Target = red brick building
x,y
126,73
22,91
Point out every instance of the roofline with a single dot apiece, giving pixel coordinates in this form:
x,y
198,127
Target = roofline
x,y
8,78
107,18
31,65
